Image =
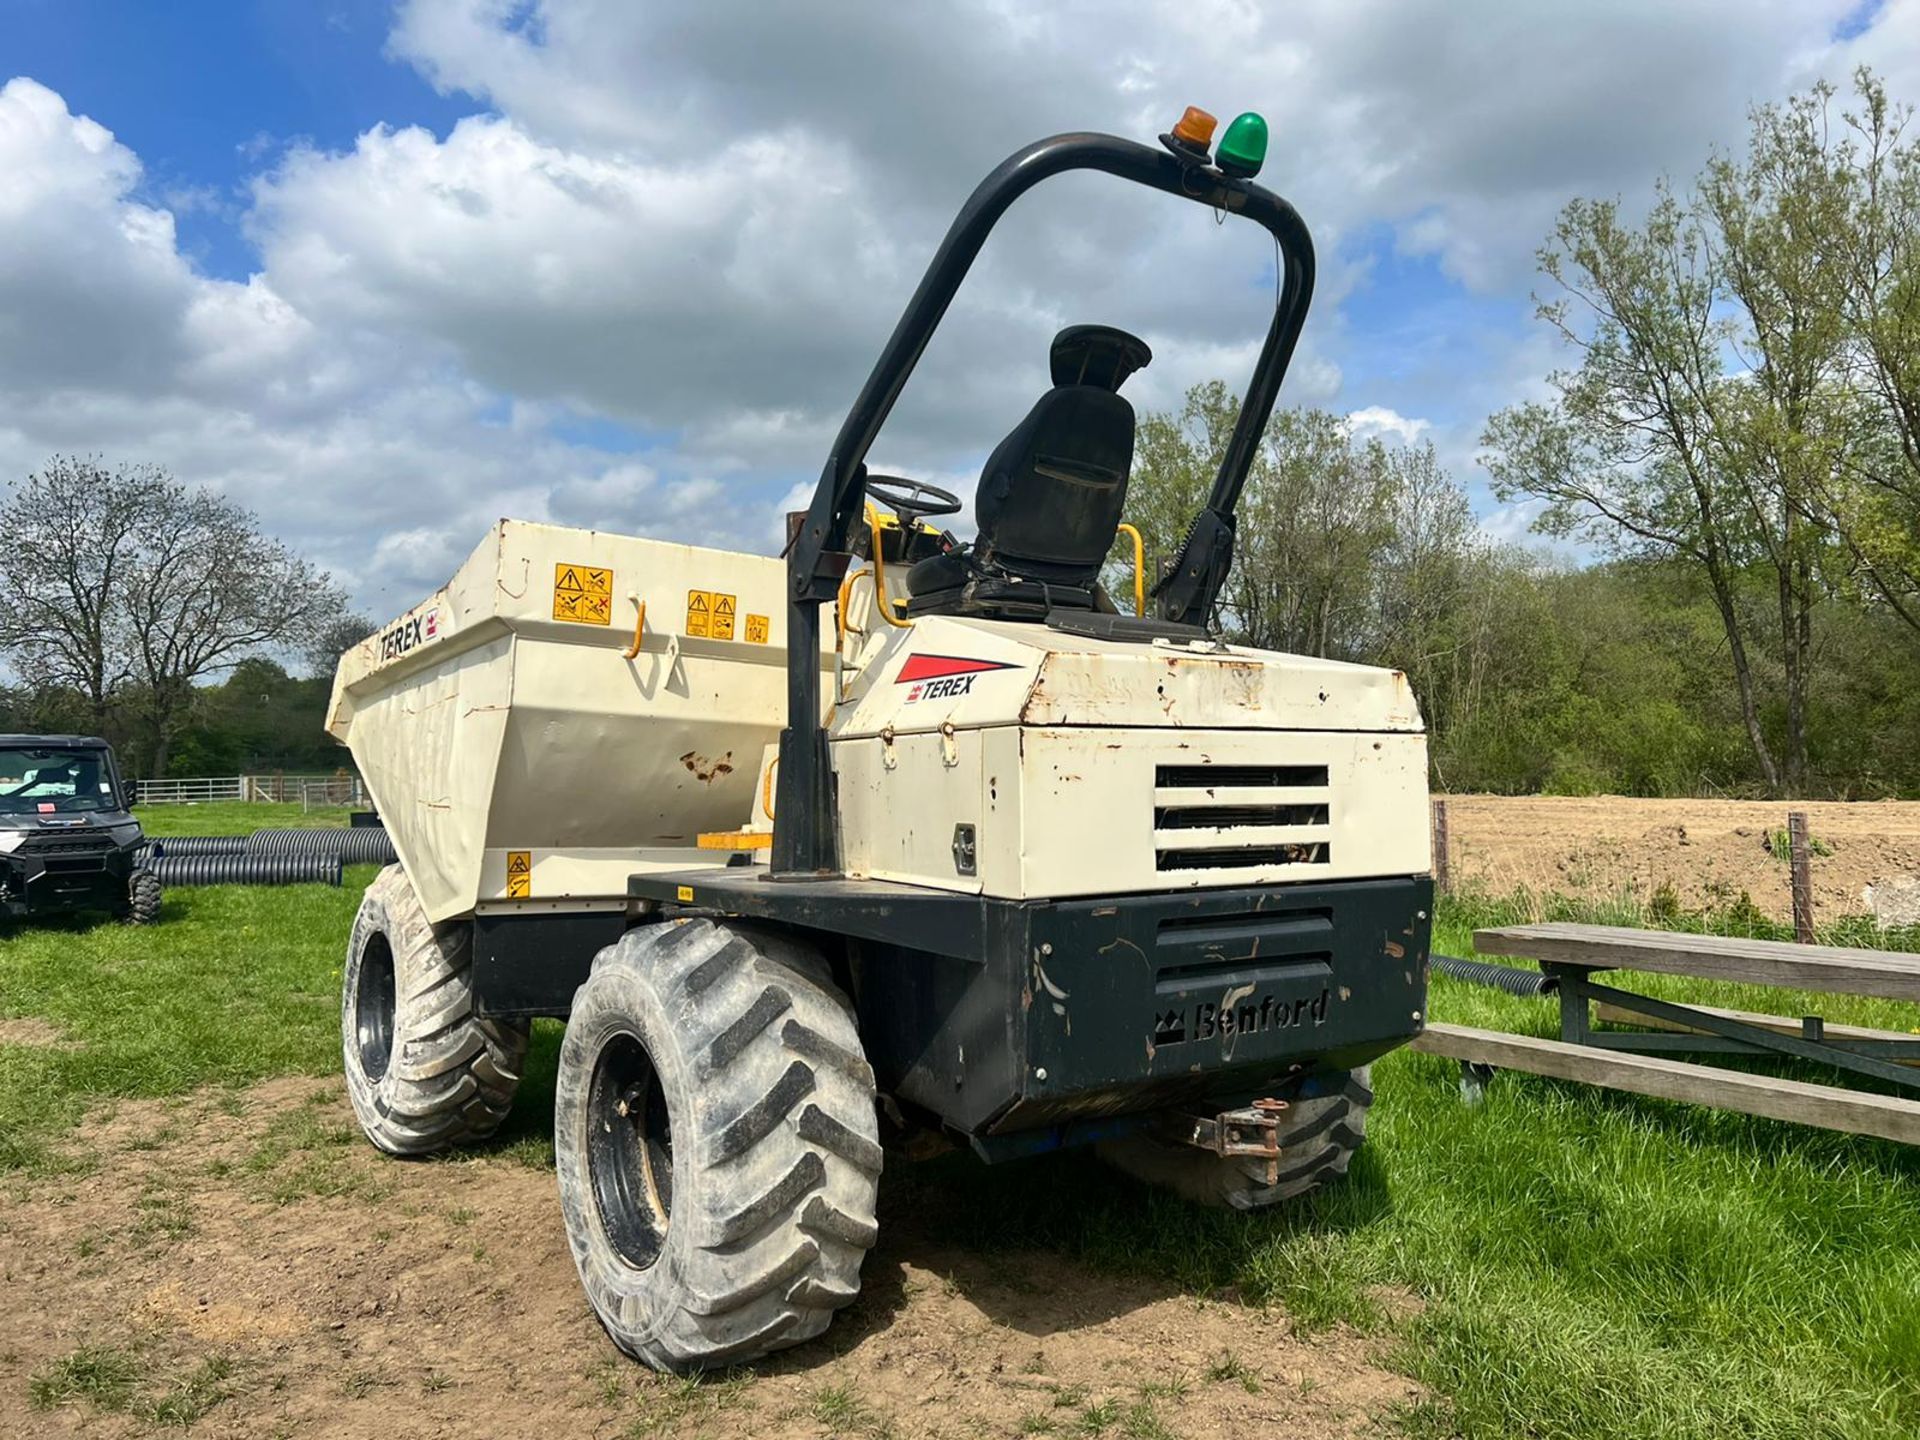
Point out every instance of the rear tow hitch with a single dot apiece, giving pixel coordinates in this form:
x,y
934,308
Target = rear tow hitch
x,y
1249,1133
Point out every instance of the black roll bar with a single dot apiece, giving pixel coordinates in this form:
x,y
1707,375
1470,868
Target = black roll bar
x,y
805,842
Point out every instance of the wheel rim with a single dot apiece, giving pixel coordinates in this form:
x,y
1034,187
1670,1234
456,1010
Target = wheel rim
x,y
629,1151
373,1006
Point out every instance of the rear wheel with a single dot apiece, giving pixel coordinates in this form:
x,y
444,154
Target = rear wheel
x,y
425,1070
716,1142
143,898
1318,1138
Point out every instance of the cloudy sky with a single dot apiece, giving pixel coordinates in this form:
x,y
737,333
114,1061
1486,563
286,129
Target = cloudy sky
x,y
387,272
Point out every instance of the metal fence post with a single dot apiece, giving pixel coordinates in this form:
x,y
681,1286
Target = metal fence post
x,y
1801,861
1440,856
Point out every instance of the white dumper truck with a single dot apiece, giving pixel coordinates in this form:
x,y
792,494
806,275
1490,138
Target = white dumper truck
x,y
972,854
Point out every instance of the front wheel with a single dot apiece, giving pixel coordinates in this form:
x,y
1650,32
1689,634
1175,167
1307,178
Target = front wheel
x,y
143,898
1318,1138
425,1069
716,1143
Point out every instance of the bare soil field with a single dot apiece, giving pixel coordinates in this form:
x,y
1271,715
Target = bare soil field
x,y
1709,851
242,1264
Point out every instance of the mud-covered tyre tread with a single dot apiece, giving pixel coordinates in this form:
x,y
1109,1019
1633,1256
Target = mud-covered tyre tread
x,y
776,1153
1316,1147
453,1071
143,897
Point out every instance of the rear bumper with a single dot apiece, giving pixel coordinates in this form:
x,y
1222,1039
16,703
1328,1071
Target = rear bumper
x,y
1101,1008
1005,1017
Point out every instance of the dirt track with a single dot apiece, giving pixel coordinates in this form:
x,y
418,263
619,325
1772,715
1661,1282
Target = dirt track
x,y
344,1294
1708,850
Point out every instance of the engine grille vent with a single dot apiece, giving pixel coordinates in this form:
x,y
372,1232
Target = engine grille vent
x,y
1239,817
67,844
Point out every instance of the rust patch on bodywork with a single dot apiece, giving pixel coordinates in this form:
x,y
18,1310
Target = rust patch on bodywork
x,y
706,770
1396,950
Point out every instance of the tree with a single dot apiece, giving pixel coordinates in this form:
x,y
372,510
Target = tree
x,y
1871,169
334,640
70,532
1708,415
129,589
205,588
1346,548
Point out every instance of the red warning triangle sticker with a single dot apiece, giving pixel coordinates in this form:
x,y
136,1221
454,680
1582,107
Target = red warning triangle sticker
x,y
934,667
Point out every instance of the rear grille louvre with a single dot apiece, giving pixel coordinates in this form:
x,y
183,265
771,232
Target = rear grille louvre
x,y
1237,857
1241,817
1218,777
1208,817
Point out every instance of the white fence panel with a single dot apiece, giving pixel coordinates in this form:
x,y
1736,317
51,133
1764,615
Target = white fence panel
x,y
198,791
306,791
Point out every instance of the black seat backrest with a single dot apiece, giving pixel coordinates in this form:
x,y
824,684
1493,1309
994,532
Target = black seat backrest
x,y
1052,491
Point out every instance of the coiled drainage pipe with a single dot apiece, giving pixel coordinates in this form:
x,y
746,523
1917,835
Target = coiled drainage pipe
x,y
358,845
1526,983
197,845
248,869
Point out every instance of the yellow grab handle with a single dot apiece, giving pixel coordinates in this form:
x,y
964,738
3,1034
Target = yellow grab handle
x,y
880,600
639,624
1139,567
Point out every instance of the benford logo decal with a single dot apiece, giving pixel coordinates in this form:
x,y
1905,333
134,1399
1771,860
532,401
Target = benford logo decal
x,y
1206,1020
943,677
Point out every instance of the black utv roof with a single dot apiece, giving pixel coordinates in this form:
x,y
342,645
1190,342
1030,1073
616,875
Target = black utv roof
x,y
70,742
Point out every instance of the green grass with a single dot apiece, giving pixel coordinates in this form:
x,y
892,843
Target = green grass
x,y
112,1381
1557,1263
235,817
237,983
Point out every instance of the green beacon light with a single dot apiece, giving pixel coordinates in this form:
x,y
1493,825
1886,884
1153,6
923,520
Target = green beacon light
x,y
1243,149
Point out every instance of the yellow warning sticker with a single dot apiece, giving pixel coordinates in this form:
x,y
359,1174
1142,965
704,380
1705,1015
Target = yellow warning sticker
x,y
582,594
756,629
519,874
684,892
710,614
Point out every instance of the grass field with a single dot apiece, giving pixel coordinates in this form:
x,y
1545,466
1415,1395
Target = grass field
x,y
234,817
1557,1262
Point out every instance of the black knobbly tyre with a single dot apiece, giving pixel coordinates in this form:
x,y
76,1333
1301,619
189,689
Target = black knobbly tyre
x,y
717,1145
1318,1138
424,1069
143,897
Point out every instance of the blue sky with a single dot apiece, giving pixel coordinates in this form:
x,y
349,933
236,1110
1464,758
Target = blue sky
x,y
206,102
387,271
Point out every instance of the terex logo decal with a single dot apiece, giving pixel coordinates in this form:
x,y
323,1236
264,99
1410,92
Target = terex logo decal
x,y
942,677
414,630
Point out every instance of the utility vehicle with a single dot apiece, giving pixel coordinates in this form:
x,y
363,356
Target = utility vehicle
x,y
68,842
899,837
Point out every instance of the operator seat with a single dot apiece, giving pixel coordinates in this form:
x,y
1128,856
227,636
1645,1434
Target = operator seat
x,y
1051,494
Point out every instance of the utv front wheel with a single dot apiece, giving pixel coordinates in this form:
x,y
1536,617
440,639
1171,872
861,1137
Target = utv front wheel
x,y
425,1069
1318,1138
143,898
716,1142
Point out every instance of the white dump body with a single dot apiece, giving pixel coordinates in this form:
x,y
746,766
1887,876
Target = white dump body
x,y
518,755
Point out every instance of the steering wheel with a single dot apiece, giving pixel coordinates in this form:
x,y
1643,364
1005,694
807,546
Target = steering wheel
x,y
912,500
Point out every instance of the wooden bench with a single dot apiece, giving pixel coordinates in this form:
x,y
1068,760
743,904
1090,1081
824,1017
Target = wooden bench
x,y
1644,1061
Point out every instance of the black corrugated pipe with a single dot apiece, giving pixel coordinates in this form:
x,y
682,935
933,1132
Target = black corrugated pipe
x,y
1526,983
363,845
197,844
248,869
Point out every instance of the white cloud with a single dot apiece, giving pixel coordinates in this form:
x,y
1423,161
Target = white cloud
x,y
1377,420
